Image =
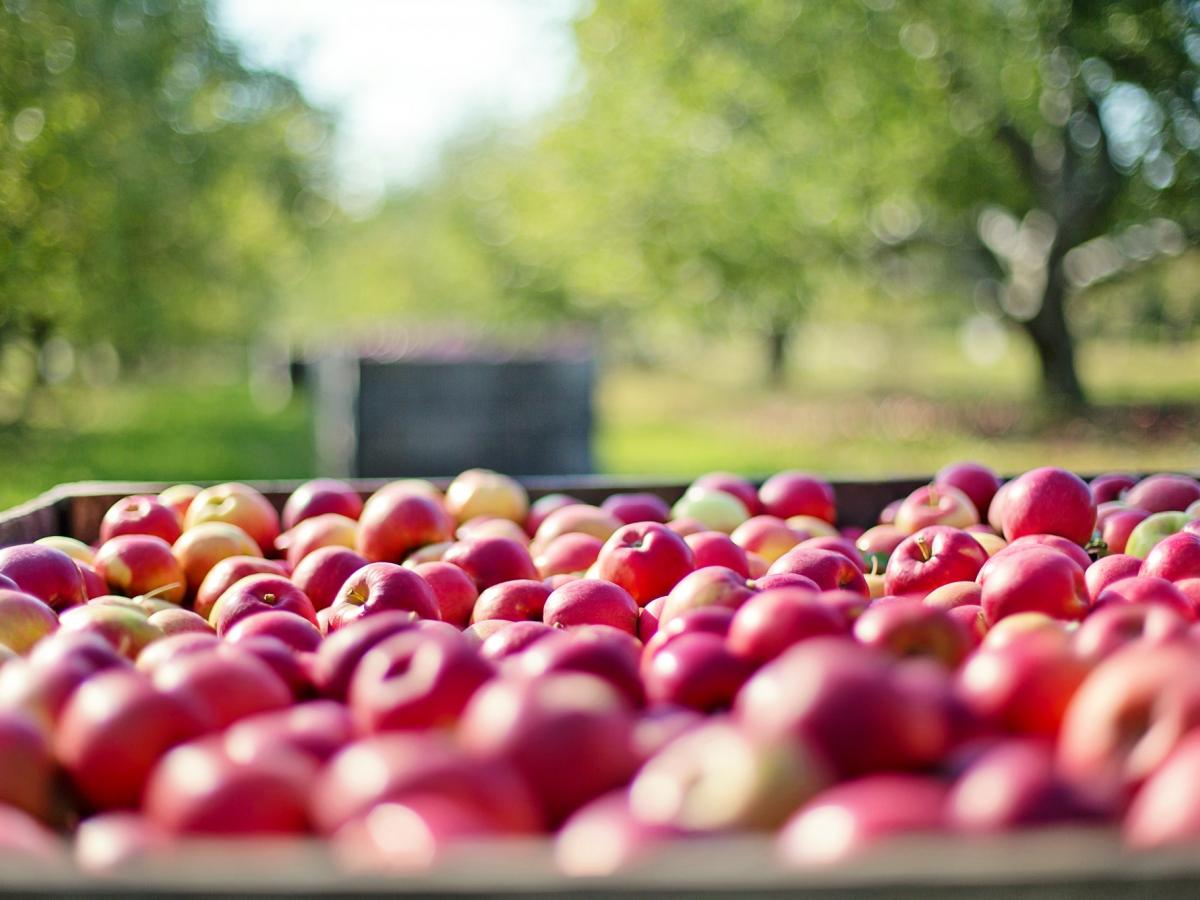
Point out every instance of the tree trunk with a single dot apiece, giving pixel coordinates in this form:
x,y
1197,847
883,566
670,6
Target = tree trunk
x,y
778,342
1055,345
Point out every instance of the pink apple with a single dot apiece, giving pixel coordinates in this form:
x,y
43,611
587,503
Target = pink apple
x,y
837,544
1117,625
543,506
580,518
93,585
712,586
933,557
27,767
1049,501
971,619
489,561
733,485
46,573
395,521
1117,525
637,507
340,652
975,480
320,575
179,621
382,586
648,619
135,564
293,630
1174,558
876,545
597,650
1108,569
696,670
226,573
1035,579
200,548
935,505
715,548
325,530
1166,811
411,835
225,683
798,494
1142,589
645,559
236,504
454,591
41,684
605,837
714,620
517,600
1164,493
911,628
954,594
568,554
513,638
591,601
141,514
319,497
257,594
768,536
1053,541
1111,486
773,620
828,569
318,729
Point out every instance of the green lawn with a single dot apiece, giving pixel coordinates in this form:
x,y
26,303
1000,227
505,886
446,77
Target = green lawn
x,y
911,409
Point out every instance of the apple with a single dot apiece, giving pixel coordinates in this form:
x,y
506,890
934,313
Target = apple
x,y
317,729
637,507
768,536
340,652
320,575
517,600
601,651
1174,558
127,629
296,631
226,573
239,505
1154,528
1036,579
995,513
489,561
395,521
1142,589
1111,486
197,789
179,621
660,725
482,492
837,544
543,506
113,730
887,515
696,670
733,485
162,651
645,559
568,554
714,620
772,621
179,497
685,526
1190,588
791,493
201,547
591,601
1054,542
1164,493
46,573
711,586
1049,501
714,778
1108,569
828,569
407,836
578,518
991,543
649,617
845,820
428,553
318,497
975,480
1016,626
1117,525
513,638
41,684
77,550
1117,625
934,556
24,620
454,591
877,544
114,842
491,526
605,837
382,586
912,628
1166,811
24,838
325,530
256,594
973,622
27,767
134,564
225,683
715,548
140,514
714,509
93,585
569,736
954,594
935,505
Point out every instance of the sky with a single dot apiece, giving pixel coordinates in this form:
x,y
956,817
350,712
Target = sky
x,y
404,76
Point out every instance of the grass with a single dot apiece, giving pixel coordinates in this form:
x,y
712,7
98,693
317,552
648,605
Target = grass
x,y
855,405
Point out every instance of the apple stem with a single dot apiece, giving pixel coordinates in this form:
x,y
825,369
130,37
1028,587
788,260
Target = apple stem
x,y
933,496
924,548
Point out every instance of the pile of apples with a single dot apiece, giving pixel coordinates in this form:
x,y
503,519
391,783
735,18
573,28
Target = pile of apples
x,y
409,675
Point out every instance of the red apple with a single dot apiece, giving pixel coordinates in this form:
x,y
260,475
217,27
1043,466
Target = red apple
x,y
489,561
134,564
513,638
325,530
580,518
1117,526
772,621
179,621
1164,493
226,573
395,521
257,594
973,622
320,575
1174,558
604,837
126,628
911,628
1053,541
1036,579
225,683
200,548
543,506
876,545
1049,501
598,650
141,514
1111,486
318,729
382,586
828,569
735,486
482,492
695,670
639,507
975,480
296,631
515,601
646,559
41,685
798,494
1141,589
714,620
953,595
1166,811
1116,625
454,591
179,497
319,497
935,505
46,573
567,554
236,504
340,653
1108,569
648,619
591,601
711,586
714,548
768,536
932,557
27,768
24,620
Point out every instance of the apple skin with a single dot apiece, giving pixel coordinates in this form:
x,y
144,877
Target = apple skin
x,y
416,681
591,601
568,554
1108,569
197,789
1053,541
954,594
325,530
1174,557
836,544
93,585
792,493
24,620
522,599
395,521
646,560
257,594
382,586
116,842
24,838
1117,625
604,837
1049,501
543,506
735,486
1142,589
317,728
27,767
135,564
112,732
715,548
849,605
707,620
454,591
933,557
935,505
319,497
695,670
1036,579
1154,528
569,736
179,621
236,504
1164,493
1111,486
482,492
412,835
179,497
773,620
1166,811
77,550
911,628
768,536
46,573
141,514
715,510
637,507
649,618
711,586
226,573
320,575
847,819
877,544
1117,526
296,631
41,684
225,683
973,622
612,656
163,651
200,548
512,639
829,570
853,711
340,652
976,480
579,518
489,561
1127,717
128,629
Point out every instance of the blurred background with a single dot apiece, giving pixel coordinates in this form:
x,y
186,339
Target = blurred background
x,y
863,237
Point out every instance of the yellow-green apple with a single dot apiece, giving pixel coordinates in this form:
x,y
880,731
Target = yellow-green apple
x,y
1049,501
954,593
325,530
226,683
715,510
27,768
931,557
1154,528
454,591
114,729
568,554
773,620
1164,493
637,507
591,601
295,631
522,599
1034,579
876,544
696,670
134,564
579,517
1117,625
910,628
415,681
935,505
828,569
126,628
482,492
975,480
711,586
715,548
1166,811
646,559
715,778
395,521
318,497
788,494
202,547
1110,486
46,573
226,573
1143,589
24,620
141,514
768,536
382,586
236,504
850,818
179,497
256,594
179,621
489,561
1174,558
513,638
340,652
77,550
732,484
320,575
543,506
